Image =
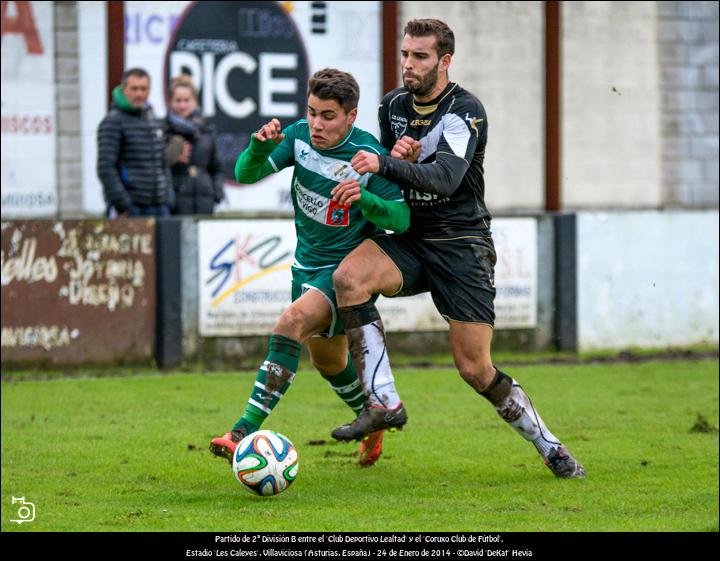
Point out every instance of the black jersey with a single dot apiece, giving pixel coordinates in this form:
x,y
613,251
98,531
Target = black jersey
x,y
446,192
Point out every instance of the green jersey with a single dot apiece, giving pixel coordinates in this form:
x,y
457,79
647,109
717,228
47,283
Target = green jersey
x,y
326,231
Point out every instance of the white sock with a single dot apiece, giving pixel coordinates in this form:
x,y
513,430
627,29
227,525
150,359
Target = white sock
x,y
518,411
375,372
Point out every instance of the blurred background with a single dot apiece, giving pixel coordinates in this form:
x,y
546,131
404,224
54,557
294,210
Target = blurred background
x,y
601,170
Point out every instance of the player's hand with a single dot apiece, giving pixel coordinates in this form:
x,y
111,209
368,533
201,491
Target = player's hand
x,y
407,149
347,192
270,131
365,162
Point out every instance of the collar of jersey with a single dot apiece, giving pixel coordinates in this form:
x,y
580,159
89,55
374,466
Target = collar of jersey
x,y
428,107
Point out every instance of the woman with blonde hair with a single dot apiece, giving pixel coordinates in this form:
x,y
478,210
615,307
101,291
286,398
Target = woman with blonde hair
x,y
192,151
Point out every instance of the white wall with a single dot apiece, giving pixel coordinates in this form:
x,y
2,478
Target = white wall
x,y
499,58
611,98
92,63
611,105
647,279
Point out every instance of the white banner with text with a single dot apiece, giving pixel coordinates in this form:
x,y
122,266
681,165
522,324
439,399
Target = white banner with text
x,y
28,111
244,269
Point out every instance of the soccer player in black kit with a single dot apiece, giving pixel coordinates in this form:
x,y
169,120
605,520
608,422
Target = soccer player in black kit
x,y
436,133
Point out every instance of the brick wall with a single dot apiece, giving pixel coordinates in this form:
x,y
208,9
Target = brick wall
x,y
67,96
688,36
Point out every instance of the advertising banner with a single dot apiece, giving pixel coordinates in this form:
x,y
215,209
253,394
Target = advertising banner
x,y
244,275
27,181
251,62
516,275
516,272
78,292
245,279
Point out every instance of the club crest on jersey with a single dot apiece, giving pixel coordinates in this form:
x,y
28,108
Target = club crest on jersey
x,y
341,171
398,124
337,215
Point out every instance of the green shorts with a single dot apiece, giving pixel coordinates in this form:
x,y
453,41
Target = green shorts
x,y
320,280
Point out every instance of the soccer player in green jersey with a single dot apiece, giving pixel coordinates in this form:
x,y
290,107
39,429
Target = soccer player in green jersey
x,y
320,149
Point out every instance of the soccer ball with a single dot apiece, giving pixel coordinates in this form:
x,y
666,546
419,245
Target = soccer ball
x,y
265,462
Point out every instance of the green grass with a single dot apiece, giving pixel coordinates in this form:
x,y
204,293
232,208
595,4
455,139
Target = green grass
x,y
130,454
609,355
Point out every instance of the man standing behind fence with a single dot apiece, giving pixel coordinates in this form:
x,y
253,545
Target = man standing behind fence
x,y
131,152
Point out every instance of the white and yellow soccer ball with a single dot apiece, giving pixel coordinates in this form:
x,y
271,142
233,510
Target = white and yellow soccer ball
x,y
265,462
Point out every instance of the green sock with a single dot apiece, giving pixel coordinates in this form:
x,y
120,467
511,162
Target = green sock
x,y
273,380
348,387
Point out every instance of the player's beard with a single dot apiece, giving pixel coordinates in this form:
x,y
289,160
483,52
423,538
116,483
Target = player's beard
x,y
425,85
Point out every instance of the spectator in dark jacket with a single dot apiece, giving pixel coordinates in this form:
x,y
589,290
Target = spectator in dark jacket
x,y
131,152
192,152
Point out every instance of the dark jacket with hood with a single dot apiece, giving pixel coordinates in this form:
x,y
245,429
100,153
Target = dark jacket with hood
x,y
131,161
199,183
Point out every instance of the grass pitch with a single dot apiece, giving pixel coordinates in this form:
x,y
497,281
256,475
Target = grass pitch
x,y
131,454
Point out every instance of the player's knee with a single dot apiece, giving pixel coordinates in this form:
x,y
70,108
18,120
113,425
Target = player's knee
x,y
346,279
479,377
291,323
329,366
470,375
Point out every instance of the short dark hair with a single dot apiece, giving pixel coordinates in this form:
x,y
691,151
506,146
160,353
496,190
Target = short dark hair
x,y
137,72
444,37
330,83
